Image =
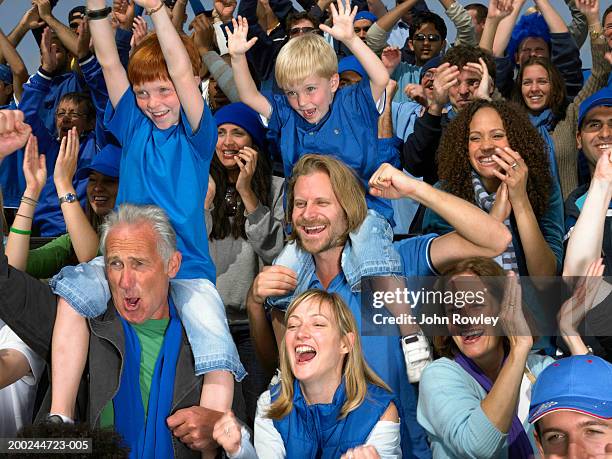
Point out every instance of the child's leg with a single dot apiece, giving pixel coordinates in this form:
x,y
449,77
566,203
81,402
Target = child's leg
x,y
83,293
203,315
69,349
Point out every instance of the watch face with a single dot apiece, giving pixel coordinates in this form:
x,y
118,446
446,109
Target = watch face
x,y
70,197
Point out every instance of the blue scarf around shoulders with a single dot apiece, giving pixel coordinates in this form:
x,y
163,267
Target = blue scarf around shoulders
x,y
544,123
150,437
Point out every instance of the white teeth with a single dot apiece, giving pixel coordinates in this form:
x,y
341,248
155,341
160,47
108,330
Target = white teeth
x,y
100,198
304,348
230,152
314,228
471,333
604,146
487,160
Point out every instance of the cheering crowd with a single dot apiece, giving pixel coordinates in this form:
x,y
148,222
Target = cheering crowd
x,y
196,215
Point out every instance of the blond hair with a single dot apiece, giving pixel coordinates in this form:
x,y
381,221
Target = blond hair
x,y
355,372
345,184
303,57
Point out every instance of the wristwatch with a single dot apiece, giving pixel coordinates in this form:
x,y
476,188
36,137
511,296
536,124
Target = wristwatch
x,y
68,197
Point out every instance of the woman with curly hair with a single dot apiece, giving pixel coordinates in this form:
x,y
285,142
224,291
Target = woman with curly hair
x,y
491,155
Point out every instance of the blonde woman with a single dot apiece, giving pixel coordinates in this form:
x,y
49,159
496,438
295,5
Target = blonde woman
x,y
328,402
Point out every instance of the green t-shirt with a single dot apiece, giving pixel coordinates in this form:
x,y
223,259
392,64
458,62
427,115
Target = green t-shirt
x,y
151,336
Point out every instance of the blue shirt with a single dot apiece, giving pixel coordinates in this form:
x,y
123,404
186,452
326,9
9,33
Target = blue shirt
x,y
61,84
168,168
384,353
349,131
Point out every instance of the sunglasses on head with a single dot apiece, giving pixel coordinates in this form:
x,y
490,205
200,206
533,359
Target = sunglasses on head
x,y
301,30
429,37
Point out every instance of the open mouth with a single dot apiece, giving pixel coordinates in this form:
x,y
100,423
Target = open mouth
x,y
471,336
604,147
309,114
304,353
131,304
312,230
486,161
100,199
159,115
230,154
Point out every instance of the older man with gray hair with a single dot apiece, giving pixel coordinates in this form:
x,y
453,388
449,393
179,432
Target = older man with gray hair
x,y
141,376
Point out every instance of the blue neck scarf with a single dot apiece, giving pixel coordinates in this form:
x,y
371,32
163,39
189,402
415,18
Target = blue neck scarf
x,y
544,123
519,446
148,438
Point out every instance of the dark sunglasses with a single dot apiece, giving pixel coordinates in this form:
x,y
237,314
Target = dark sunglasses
x,y
429,37
301,30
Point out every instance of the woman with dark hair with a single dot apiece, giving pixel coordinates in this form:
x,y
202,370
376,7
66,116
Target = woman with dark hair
x,y
491,155
244,219
540,89
328,403
474,401
80,243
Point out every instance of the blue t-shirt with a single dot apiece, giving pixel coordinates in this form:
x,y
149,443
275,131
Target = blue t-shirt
x,y
168,168
384,353
349,131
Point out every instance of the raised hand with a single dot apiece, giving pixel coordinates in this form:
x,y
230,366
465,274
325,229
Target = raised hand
x,y
48,49
502,207
139,31
65,165
485,88
417,93
34,169
514,173
246,160
84,40
237,43
343,18
391,57
123,14
43,7
590,8
512,318
225,9
227,432
580,303
203,34
445,78
32,19
603,168
14,132
391,183
499,9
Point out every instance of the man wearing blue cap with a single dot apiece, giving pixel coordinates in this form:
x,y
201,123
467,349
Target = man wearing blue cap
x,y
571,406
588,210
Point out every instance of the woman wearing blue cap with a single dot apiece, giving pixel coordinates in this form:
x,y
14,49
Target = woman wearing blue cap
x,y
80,244
244,219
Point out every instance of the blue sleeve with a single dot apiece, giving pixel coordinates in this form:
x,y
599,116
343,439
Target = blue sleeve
x,y
415,255
504,75
204,140
281,111
565,55
360,98
92,72
122,40
124,119
552,225
34,92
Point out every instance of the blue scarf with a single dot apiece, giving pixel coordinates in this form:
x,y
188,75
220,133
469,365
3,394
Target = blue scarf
x,y
544,123
150,438
519,446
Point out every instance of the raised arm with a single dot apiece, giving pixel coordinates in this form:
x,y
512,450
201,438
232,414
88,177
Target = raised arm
x,y
30,20
555,22
586,239
83,237
498,10
504,30
106,52
343,31
63,32
476,232
35,173
13,59
178,62
238,46
466,35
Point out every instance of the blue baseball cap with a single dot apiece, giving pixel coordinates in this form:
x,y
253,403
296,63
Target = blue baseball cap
x,y
603,97
365,15
6,74
581,383
351,63
244,116
106,162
